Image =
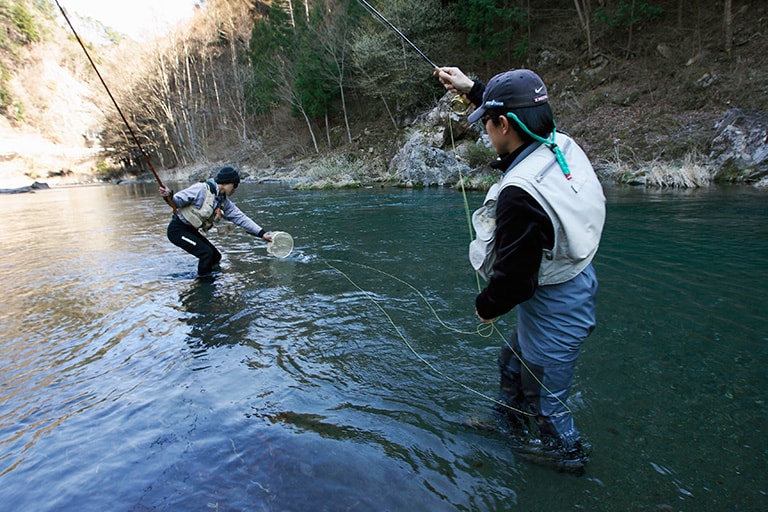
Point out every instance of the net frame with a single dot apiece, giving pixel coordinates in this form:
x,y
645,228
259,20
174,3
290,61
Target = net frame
x,y
281,245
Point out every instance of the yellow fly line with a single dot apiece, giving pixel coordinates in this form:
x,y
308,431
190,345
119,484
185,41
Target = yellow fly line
x,y
483,329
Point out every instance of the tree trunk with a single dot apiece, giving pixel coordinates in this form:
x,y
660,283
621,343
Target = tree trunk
x,y
528,26
631,27
386,105
583,10
728,25
344,110
340,74
309,127
289,7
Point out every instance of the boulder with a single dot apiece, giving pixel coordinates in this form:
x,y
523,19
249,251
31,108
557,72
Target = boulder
x,y
420,163
739,149
428,159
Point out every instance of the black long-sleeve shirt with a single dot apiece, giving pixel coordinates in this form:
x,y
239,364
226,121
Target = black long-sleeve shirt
x,y
523,231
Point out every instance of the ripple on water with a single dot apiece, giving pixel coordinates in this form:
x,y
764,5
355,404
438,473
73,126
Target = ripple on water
x,y
127,385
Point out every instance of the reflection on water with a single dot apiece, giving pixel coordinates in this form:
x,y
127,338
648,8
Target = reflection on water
x,y
333,379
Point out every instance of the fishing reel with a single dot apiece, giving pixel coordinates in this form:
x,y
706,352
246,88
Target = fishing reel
x,y
459,104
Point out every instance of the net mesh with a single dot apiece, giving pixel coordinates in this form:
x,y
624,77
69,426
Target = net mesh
x,y
281,244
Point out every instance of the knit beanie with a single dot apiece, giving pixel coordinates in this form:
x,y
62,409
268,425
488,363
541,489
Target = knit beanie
x,y
228,175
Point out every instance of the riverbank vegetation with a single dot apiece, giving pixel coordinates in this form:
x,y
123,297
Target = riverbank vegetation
x,y
325,88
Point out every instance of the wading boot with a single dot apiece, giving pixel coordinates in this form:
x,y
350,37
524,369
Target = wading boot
x,y
554,453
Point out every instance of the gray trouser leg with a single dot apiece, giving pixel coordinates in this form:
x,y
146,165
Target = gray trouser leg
x,y
547,389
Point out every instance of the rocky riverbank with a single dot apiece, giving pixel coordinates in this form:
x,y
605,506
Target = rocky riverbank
x,y
437,149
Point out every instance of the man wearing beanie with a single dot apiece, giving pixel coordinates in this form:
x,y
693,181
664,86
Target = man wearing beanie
x,y
536,235
198,207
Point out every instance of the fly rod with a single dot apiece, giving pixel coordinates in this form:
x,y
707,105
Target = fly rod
x,y
119,111
459,103
397,31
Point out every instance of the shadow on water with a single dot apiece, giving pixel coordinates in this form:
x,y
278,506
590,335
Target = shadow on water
x,y
328,381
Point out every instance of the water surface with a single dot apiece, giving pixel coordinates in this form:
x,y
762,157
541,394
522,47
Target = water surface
x,y
340,378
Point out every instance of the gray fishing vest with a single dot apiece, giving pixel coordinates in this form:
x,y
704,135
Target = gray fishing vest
x,y
202,217
576,208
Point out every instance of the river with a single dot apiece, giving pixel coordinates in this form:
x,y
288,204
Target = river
x,y
340,378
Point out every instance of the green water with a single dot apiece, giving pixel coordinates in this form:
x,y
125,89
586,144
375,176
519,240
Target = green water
x,y
340,378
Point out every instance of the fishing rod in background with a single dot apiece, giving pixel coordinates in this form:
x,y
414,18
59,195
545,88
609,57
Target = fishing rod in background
x,y
119,111
388,23
459,103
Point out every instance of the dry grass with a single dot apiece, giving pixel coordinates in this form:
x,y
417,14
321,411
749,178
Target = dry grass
x,y
693,172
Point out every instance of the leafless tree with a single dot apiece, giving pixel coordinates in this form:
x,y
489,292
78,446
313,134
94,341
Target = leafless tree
x,y
334,35
584,11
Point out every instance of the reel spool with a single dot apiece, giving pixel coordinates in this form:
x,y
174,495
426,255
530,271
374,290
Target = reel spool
x,y
459,104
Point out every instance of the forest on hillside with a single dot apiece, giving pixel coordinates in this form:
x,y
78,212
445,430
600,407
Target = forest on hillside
x,y
260,82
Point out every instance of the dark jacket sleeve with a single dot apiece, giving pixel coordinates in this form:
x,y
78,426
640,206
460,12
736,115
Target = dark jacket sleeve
x,y
475,95
523,230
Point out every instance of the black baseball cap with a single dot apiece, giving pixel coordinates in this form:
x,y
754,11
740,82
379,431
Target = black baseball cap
x,y
516,88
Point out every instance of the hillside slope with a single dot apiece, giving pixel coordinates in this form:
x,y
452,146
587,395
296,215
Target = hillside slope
x,y
657,101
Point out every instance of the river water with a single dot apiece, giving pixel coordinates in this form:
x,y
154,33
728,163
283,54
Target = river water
x,y
340,378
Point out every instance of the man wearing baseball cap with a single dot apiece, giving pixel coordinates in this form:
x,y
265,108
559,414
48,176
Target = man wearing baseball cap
x,y
199,207
536,235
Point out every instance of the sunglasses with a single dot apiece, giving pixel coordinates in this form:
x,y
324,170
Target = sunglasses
x,y
488,117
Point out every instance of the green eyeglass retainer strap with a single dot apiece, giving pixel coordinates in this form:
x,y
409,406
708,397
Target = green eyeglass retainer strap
x,y
550,143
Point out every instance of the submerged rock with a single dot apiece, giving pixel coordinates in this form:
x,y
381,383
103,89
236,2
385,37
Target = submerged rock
x,y
22,190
